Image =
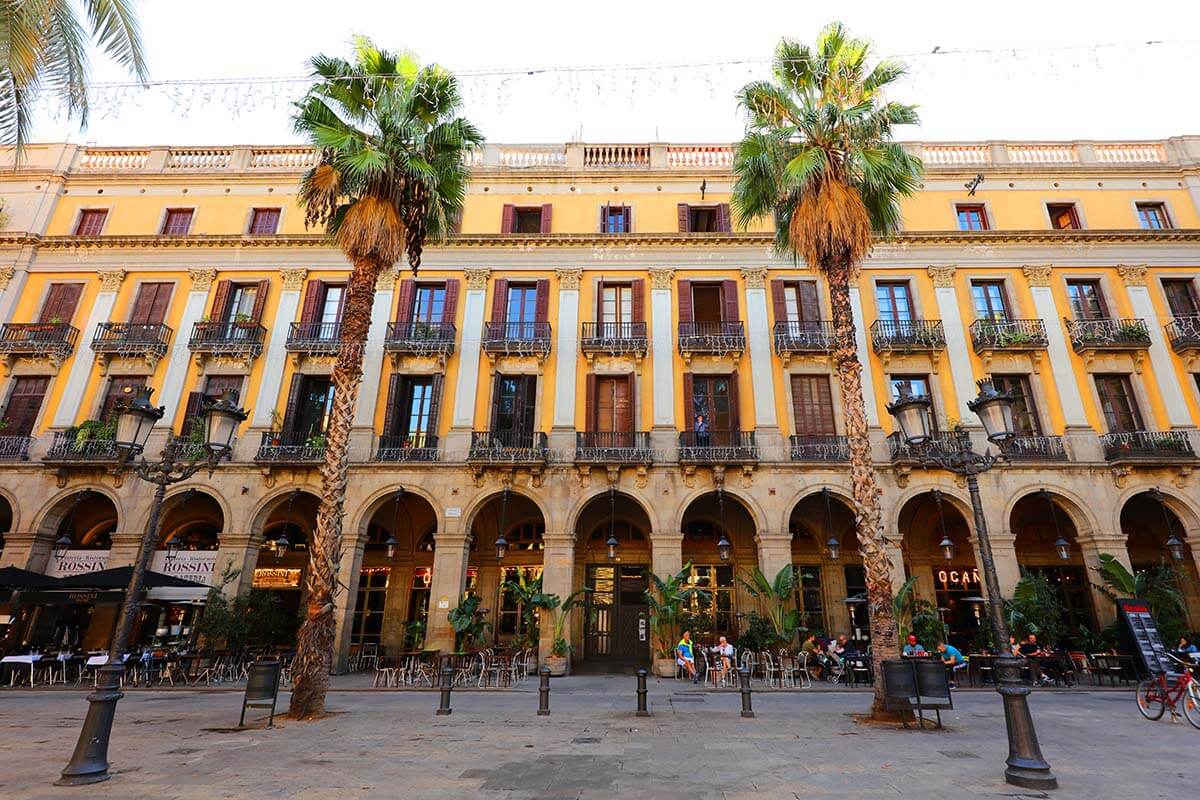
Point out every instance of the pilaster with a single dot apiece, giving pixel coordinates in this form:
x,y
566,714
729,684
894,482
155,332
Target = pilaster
x,y
446,589
558,577
348,573
275,357
468,367
1134,278
1069,396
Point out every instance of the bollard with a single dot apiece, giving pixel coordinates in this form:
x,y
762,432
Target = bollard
x,y
544,692
642,711
447,682
747,707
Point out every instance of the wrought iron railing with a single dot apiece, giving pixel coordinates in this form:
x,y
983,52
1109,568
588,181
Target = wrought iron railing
x,y
73,445
188,449
712,337
613,447
227,337
940,444
508,447
798,336
1034,448
1108,334
49,339
717,447
135,338
314,337
290,447
517,338
420,338
1008,334
1147,446
410,447
819,448
1184,333
15,448
614,337
920,335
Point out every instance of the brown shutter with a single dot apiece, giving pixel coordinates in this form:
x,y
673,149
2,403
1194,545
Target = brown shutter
x,y
508,219
591,416
639,300
393,397
162,300
626,219
313,293
143,303
450,305
729,294
810,307
723,219
778,301
499,300
685,301
61,302
812,405
293,404
547,210
685,214
220,300
598,306
260,301
435,403
689,389
622,406
604,218
24,404
404,309
633,415
191,410
735,417
541,309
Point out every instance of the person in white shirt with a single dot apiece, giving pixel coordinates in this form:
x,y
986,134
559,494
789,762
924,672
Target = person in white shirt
x,y
724,653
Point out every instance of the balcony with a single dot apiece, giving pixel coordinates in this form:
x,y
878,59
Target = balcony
x,y
1034,448
290,448
718,447
188,449
940,445
508,447
819,448
1012,335
411,447
712,338
235,340
803,337
612,447
1155,447
314,338
131,340
51,340
420,339
1184,334
914,336
614,339
78,447
516,339
15,448
1106,335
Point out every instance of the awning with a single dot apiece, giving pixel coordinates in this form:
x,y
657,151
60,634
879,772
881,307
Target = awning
x,y
118,578
17,578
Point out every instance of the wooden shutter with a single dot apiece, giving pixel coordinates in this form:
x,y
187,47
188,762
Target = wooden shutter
x,y
508,219
685,214
61,302
547,211
626,219
729,296
260,301
162,300
393,397
541,309
778,301
450,304
735,417
499,300
689,389
191,410
633,418
592,414
604,218
723,220
217,385
150,304
121,388
812,405
685,301
810,306
220,300
639,300
622,413
404,309
435,403
293,404
314,292
24,404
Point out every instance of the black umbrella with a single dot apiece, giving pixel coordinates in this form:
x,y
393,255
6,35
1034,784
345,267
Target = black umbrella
x,y
17,578
118,578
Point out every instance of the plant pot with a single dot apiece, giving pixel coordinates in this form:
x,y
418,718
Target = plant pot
x,y
557,665
664,667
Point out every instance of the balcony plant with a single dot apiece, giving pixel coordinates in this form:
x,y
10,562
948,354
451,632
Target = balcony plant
x,y
316,441
91,430
1133,331
667,599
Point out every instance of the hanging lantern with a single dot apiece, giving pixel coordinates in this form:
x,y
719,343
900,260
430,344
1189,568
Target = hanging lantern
x,y
281,545
501,547
613,544
501,542
391,547
947,548
1063,547
835,548
174,544
61,545
1175,548
945,544
1174,544
723,547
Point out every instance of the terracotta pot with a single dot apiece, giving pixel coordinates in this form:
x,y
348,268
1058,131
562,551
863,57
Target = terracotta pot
x,y
557,665
664,667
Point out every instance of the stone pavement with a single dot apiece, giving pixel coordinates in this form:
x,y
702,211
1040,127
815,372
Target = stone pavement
x,y
387,744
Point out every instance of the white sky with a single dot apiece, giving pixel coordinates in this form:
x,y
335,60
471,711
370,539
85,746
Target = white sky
x,y
1087,93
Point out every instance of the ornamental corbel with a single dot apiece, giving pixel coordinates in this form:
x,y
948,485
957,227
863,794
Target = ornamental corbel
x,y
1038,275
6,276
477,278
662,278
111,279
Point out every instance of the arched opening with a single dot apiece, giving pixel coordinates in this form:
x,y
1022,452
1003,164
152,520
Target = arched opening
x,y
192,522
936,542
831,584
1149,523
279,571
83,527
718,544
492,574
6,518
1044,533
616,620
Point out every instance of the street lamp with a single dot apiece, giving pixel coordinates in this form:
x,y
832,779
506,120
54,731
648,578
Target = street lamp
x,y
1026,766
1174,545
832,543
946,543
62,546
612,543
89,762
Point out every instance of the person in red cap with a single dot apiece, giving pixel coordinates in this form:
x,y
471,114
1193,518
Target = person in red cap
x,y
914,649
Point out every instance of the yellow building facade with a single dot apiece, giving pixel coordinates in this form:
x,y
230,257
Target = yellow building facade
x,y
596,355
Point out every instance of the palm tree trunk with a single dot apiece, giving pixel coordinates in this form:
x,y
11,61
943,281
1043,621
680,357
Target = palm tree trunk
x,y
315,641
864,486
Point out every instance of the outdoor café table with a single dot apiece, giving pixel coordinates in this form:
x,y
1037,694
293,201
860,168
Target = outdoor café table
x,y
12,661
977,665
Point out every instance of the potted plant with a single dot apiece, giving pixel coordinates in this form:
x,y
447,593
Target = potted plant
x,y
560,649
468,623
777,598
667,599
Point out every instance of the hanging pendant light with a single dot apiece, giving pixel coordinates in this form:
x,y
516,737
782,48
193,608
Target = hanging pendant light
x,y
173,546
946,544
1061,545
832,544
281,545
723,544
62,546
501,542
1174,543
613,544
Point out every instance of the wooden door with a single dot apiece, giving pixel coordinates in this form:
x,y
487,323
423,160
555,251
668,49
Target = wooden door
x,y
61,302
150,304
812,404
614,409
24,404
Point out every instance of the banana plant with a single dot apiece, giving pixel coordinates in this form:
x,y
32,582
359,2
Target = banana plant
x,y
777,599
666,599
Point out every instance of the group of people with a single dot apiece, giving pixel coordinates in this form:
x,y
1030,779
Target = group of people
x,y
821,655
950,655
685,656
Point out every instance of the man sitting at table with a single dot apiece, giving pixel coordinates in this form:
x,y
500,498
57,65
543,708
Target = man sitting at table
x,y
724,653
953,658
914,649
1031,649
812,650
685,658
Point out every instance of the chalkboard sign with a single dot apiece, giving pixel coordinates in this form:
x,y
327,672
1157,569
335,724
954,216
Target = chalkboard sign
x,y
262,689
1139,623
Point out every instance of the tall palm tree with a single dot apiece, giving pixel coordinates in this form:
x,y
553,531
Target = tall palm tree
x,y
44,48
392,172
818,157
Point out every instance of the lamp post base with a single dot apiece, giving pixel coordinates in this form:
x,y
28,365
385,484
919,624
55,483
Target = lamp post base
x,y
1026,766
89,762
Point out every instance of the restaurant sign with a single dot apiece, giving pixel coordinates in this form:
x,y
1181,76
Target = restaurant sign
x,y
197,566
963,579
276,578
77,562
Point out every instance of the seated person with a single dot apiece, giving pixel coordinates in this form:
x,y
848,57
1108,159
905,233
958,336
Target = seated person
x,y
1186,648
811,649
1030,648
685,657
953,658
845,647
913,648
724,653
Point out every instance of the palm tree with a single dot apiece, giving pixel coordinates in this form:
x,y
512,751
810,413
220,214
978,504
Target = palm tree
x,y
392,171
818,158
45,48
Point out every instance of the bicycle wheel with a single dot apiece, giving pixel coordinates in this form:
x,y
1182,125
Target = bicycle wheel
x,y
1150,699
1191,704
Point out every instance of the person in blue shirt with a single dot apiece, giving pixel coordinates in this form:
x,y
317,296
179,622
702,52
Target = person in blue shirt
x,y
1186,647
685,657
953,658
913,649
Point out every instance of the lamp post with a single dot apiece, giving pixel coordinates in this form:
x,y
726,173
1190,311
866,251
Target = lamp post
x,y
1026,766
135,420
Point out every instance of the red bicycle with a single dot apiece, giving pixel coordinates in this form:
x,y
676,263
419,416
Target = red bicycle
x,y
1167,690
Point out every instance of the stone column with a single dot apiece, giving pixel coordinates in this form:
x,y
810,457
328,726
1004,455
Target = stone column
x,y
238,551
471,340
1092,546
666,553
558,577
348,573
562,434
860,346
1134,277
446,588
22,549
956,341
895,556
275,359
363,430
180,358
1004,554
662,355
774,553
69,404
762,367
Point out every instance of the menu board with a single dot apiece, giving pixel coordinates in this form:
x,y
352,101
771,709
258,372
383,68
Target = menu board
x,y
1145,639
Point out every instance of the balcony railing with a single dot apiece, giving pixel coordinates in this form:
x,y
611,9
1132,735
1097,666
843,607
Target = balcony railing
x,y
69,445
188,449
278,447
941,444
410,447
228,338
715,338
913,336
717,447
38,339
804,337
615,338
15,448
314,338
420,338
1034,448
1155,446
517,338
508,447
1010,334
820,448
1108,334
1184,333
613,447
132,338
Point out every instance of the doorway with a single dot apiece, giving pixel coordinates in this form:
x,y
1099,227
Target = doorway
x,y
617,627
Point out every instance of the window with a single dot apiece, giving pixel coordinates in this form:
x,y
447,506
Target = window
x,y
990,301
1063,216
61,301
707,302
91,222
1025,418
513,408
812,403
215,387
521,310
704,219
712,398
241,302
1181,297
616,305
367,627
178,222
1153,216
1087,301
24,404
313,404
151,303
800,302
264,221
331,305
418,596
613,404
413,413
528,220
894,301
120,390
1117,403
808,596
716,607
971,217
510,619
429,303
615,219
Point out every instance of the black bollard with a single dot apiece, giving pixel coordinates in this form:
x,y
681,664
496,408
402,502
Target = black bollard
x,y
747,707
447,682
642,711
544,692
